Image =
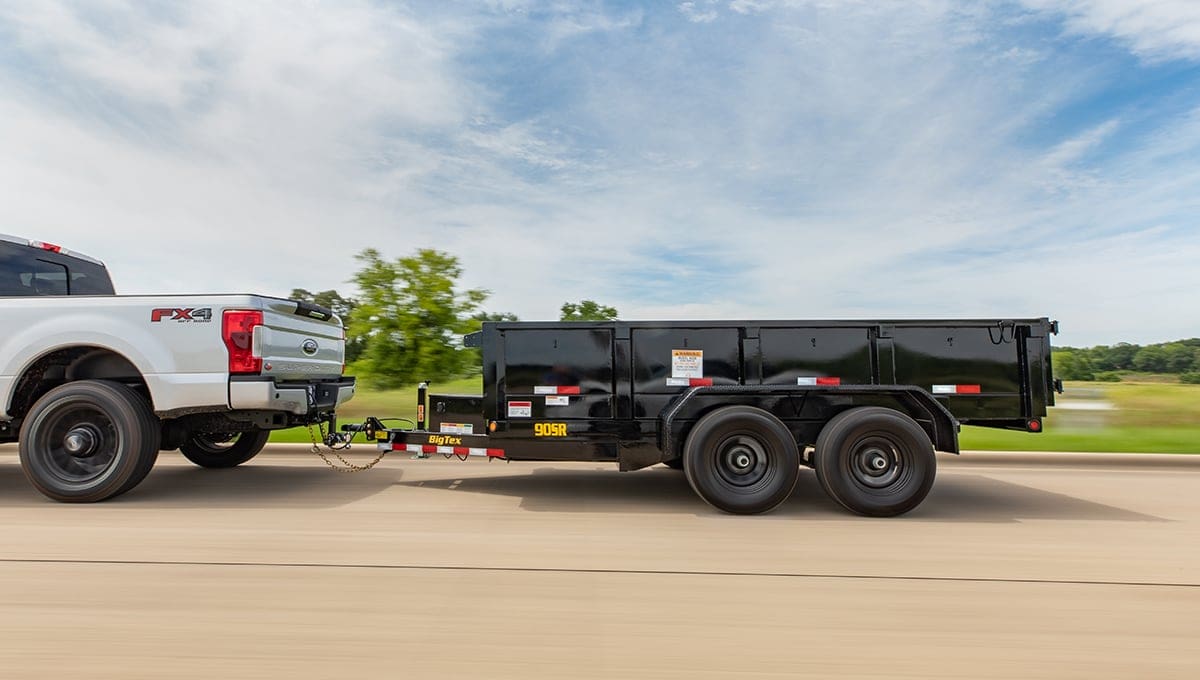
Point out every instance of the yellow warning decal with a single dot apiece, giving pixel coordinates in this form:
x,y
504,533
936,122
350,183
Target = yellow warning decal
x,y
549,429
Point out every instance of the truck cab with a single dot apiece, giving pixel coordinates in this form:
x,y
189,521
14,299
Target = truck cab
x,y
30,268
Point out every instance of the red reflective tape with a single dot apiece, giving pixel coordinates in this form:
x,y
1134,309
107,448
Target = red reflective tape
x,y
495,453
966,389
555,389
700,382
829,381
399,447
428,448
462,451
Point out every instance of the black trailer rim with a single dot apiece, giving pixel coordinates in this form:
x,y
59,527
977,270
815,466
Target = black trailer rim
x,y
742,461
877,462
82,443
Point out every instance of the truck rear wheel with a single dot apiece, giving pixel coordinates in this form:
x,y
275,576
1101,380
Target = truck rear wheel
x,y
875,461
224,450
88,441
741,460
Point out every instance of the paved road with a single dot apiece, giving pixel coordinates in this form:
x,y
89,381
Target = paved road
x,y
1016,566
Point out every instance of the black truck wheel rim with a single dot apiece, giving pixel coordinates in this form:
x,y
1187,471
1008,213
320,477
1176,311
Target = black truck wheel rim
x,y
82,444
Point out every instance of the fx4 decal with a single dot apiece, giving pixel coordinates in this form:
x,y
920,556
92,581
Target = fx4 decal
x,y
189,315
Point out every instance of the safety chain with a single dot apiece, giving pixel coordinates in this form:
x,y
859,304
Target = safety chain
x,y
346,466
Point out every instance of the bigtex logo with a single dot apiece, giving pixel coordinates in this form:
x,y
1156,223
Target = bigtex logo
x,y
443,440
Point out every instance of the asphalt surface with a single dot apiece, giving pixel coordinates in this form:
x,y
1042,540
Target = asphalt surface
x,y
1030,566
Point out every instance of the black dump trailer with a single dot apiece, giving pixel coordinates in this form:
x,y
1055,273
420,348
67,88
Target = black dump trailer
x,y
741,406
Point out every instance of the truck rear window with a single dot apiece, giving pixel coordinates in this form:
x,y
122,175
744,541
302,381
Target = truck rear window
x,y
26,272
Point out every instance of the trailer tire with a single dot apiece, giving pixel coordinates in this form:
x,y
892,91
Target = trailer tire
x,y
224,451
742,460
88,441
875,461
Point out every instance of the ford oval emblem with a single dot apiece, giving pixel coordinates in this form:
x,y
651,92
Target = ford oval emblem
x,y
309,347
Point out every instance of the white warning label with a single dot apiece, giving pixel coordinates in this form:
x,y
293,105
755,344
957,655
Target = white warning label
x,y
520,409
560,400
687,363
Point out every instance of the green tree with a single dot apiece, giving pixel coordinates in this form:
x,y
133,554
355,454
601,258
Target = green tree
x,y
1151,359
587,310
413,317
343,307
1178,357
1072,365
480,317
1121,356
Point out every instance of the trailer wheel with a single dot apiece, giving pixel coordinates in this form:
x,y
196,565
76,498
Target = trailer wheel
x,y
875,461
741,460
88,441
224,450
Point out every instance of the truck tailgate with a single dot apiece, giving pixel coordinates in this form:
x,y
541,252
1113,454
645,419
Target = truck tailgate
x,y
296,345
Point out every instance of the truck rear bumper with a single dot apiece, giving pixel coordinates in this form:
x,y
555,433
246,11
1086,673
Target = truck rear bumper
x,y
304,398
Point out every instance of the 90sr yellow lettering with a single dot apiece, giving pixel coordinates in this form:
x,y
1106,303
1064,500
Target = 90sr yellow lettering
x,y
549,429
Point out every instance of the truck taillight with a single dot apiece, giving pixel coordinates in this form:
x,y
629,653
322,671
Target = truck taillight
x,y
237,329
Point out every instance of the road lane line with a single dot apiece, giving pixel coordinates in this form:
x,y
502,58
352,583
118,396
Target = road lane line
x,y
568,570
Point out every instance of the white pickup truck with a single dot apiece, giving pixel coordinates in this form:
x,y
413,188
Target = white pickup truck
x,y
93,385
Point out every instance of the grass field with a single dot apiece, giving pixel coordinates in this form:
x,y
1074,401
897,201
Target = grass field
x,y
1146,417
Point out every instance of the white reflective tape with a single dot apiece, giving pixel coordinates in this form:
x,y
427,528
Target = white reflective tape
x,y
806,381
957,389
445,450
545,389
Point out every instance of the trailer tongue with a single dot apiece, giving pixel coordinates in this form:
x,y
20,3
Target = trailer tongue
x,y
740,406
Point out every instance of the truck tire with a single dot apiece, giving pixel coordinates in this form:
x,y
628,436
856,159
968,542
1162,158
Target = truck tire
x,y
87,441
224,450
875,461
742,460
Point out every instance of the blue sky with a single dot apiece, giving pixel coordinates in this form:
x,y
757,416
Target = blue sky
x,y
704,159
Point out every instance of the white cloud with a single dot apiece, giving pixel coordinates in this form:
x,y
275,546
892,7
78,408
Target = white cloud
x,y
703,13
1155,29
220,129
832,160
